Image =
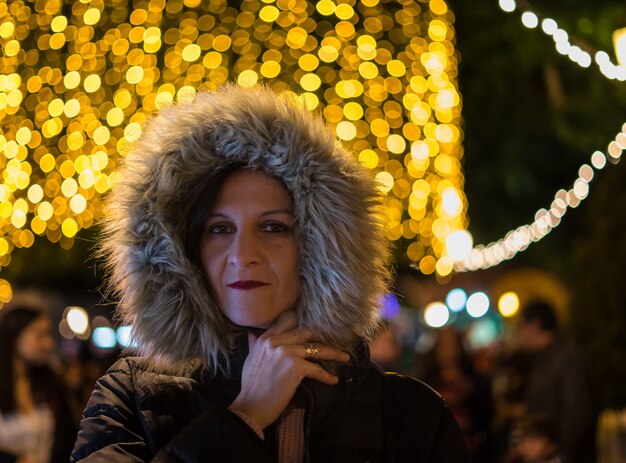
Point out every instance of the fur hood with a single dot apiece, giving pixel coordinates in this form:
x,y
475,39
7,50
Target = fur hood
x,y
166,297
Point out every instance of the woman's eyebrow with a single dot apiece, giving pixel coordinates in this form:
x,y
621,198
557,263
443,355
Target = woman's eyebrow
x,y
264,213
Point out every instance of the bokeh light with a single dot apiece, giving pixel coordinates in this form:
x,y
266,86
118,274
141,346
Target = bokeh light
x,y
477,304
78,79
436,314
104,337
508,304
77,320
456,299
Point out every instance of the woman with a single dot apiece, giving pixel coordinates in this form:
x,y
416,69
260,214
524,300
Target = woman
x,y
247,252
35,420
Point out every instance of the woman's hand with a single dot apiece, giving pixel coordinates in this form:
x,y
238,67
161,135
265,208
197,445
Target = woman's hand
x,y
275,366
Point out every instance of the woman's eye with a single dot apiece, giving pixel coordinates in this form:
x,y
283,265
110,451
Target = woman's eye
x,y
219,228
276,227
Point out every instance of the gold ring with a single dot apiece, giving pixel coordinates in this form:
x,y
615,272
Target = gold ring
x,y
310,351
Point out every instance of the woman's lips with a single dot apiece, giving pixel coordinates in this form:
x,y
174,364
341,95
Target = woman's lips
x,y
246,284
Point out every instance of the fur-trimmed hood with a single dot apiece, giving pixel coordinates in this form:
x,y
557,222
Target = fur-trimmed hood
x,y
166,297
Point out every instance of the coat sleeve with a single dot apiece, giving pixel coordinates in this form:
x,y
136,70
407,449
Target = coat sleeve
x,y
449,446
418,424
112,429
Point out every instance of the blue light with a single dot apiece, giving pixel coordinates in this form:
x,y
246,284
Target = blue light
x,y
456,299
104,337
390,306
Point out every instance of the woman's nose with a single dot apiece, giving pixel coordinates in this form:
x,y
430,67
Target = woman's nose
x,y
245,249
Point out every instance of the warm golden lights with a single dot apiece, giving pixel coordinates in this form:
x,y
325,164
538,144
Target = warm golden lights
x,y
80,77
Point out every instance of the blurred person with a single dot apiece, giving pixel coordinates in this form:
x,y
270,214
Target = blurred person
x,y
509,385
535,439
35,418
558,382
246,247
449,369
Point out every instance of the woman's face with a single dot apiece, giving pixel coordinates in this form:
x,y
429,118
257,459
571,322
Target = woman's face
x,y
248,250
34,344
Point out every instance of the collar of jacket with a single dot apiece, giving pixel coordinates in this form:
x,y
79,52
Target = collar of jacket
x,y
347,373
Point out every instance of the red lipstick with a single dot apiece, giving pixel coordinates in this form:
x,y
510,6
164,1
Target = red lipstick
x,y
246,284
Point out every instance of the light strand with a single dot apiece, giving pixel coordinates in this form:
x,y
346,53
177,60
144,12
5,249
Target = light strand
x,y
490,255
581,55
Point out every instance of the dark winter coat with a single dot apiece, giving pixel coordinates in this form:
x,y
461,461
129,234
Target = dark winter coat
x,y
139,414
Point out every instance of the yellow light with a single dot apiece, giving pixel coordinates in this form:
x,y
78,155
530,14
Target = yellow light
x,y
23,136
134,75
346,130
35,193
396,144
69,187
396,68
78,204
310,82
6,292
269,13
12,48
71,80
115,116
325,7
7,29
385,181
365,67
69,227
71,108
191,52
248,78
45,211
92,16
508,304
92,83
58,24
132,132
368,158
353,111
344,11
619,44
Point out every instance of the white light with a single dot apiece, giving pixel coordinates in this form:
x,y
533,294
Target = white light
x,y
560,36
77,320
507,5
459,244
104,337
598,160
456,299
549,26
477,304
602,58
529,19
581,189
124,335
585,172
563,47
436,314
451,202
585,60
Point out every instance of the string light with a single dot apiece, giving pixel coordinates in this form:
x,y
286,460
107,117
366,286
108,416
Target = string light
x,y
80,77
562,43
485,256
